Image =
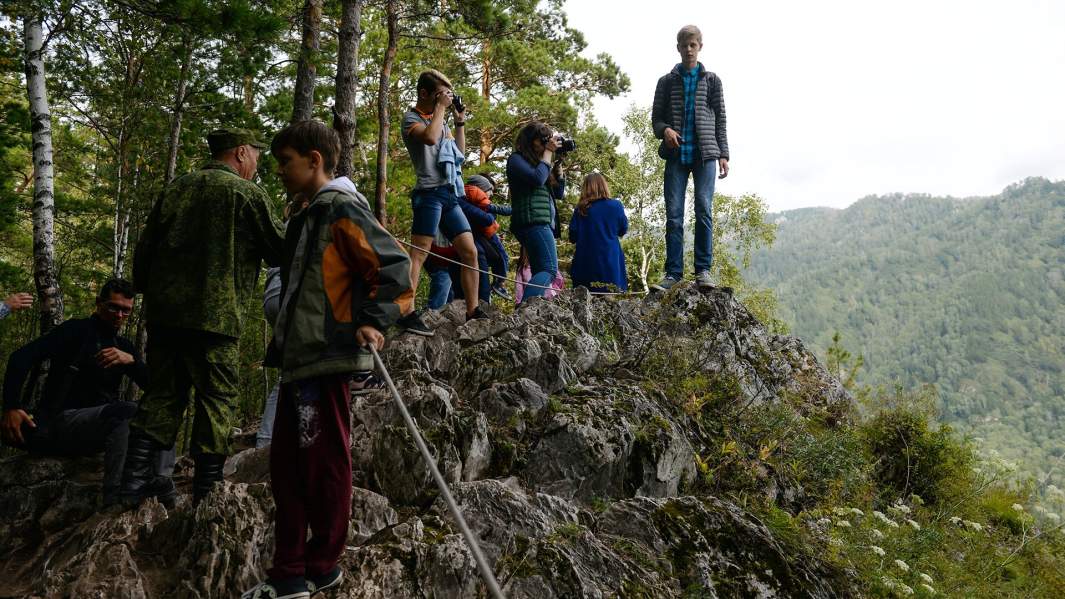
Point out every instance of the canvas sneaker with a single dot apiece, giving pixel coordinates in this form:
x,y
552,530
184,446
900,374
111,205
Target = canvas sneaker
x,y
321,582
364,383
703,280
502,292
292,588
667,283
413,324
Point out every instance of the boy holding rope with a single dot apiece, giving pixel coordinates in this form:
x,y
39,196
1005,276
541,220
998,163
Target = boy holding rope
x,y
344,281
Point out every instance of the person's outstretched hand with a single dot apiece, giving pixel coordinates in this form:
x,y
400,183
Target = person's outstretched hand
x,y
368,335
18,301
11,428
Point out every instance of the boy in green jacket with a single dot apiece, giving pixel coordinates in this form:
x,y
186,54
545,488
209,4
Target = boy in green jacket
x,y
344,280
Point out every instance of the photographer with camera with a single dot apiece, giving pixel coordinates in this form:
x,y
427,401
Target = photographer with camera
x,y
437,158
536,182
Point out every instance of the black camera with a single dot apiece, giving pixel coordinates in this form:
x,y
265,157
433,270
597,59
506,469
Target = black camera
x,y
565,145
456,102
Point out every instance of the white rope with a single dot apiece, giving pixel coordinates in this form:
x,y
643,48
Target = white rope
x,y
478,556
516,282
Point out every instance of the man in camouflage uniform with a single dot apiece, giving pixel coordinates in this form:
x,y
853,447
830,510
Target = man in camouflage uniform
x,y
196,264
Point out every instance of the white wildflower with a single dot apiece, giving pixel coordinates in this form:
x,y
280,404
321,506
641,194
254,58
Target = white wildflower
x,y
888,582
955,520
857,512
841,511
877,550
977,471
876,533
901,565
1040,509
843,524
914,524
928,588
824,521
1053,490
1017,507
926,578
1053,517
905,589
880,516
835,542
974,525
892,524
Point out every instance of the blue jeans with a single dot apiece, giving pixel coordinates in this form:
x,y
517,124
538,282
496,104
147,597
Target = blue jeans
x,y
439,287
437,208
676,179
266,427
539,244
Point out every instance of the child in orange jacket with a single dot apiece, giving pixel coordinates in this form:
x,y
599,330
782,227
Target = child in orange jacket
x,y
479,191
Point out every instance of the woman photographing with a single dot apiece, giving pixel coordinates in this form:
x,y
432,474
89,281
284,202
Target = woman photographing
x,y
534,186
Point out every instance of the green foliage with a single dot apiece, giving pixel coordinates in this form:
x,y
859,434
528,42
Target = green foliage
x,y
962,294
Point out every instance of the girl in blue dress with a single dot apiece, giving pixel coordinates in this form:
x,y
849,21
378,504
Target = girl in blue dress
x,y
597,225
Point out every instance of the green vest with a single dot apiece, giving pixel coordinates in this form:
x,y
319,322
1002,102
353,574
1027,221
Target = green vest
x,y
532,208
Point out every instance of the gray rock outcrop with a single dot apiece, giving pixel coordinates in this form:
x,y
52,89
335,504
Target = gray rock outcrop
x,y
560,433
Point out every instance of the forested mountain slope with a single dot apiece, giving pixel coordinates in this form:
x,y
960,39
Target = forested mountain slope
x,y
967,294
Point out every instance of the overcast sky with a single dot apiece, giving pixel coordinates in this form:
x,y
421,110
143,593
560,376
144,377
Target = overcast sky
x,y
832,100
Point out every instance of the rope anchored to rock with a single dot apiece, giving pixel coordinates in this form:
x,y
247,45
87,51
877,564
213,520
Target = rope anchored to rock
x,y
475,548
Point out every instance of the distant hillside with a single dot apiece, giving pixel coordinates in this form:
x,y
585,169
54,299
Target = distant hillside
x,y
967,294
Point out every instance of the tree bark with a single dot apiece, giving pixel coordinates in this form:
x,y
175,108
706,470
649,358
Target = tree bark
x,y
486,95
44,272
383,119
347,82
303,98
178,111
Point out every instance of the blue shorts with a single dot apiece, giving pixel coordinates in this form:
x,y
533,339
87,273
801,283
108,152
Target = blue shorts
x,y
437,208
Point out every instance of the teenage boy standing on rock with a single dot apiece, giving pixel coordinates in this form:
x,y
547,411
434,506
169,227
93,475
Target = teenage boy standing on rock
x,y
688,115
343,281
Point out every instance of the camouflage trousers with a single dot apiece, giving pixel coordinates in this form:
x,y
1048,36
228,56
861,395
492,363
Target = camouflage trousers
x,y
180,361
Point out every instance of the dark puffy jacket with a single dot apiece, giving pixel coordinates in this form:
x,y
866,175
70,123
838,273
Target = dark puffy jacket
x,y
668,111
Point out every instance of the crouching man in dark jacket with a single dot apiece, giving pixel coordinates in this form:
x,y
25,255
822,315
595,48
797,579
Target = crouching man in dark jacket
x,y
80,412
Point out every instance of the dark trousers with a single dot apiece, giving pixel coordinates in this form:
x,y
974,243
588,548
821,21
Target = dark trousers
x,y
88,431
310,476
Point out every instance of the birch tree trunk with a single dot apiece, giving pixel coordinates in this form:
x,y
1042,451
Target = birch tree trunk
x,y
44,272
347,82
178,111
486,95
383,120
303,98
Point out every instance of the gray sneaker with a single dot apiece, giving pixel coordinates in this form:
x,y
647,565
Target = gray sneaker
x,y
703,280
667,283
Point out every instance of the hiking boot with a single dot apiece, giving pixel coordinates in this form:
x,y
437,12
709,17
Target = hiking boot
x,y
138,470
206,474
364,383
704,281
476,314
500,291
291,588
667,283
413,324
163,489
321,582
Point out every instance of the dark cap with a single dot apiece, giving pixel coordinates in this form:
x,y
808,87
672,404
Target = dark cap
x,y
231,137
482,182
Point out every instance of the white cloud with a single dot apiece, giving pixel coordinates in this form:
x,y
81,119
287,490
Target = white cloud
x,y
832,100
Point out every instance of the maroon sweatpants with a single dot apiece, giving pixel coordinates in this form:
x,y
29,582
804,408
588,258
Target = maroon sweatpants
x,y
310,471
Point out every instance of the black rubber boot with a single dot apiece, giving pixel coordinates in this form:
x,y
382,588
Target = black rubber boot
x,y
138,470
162,488
208,473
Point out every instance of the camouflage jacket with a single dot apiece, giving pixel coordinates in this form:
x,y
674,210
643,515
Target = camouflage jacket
x,y
199,255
